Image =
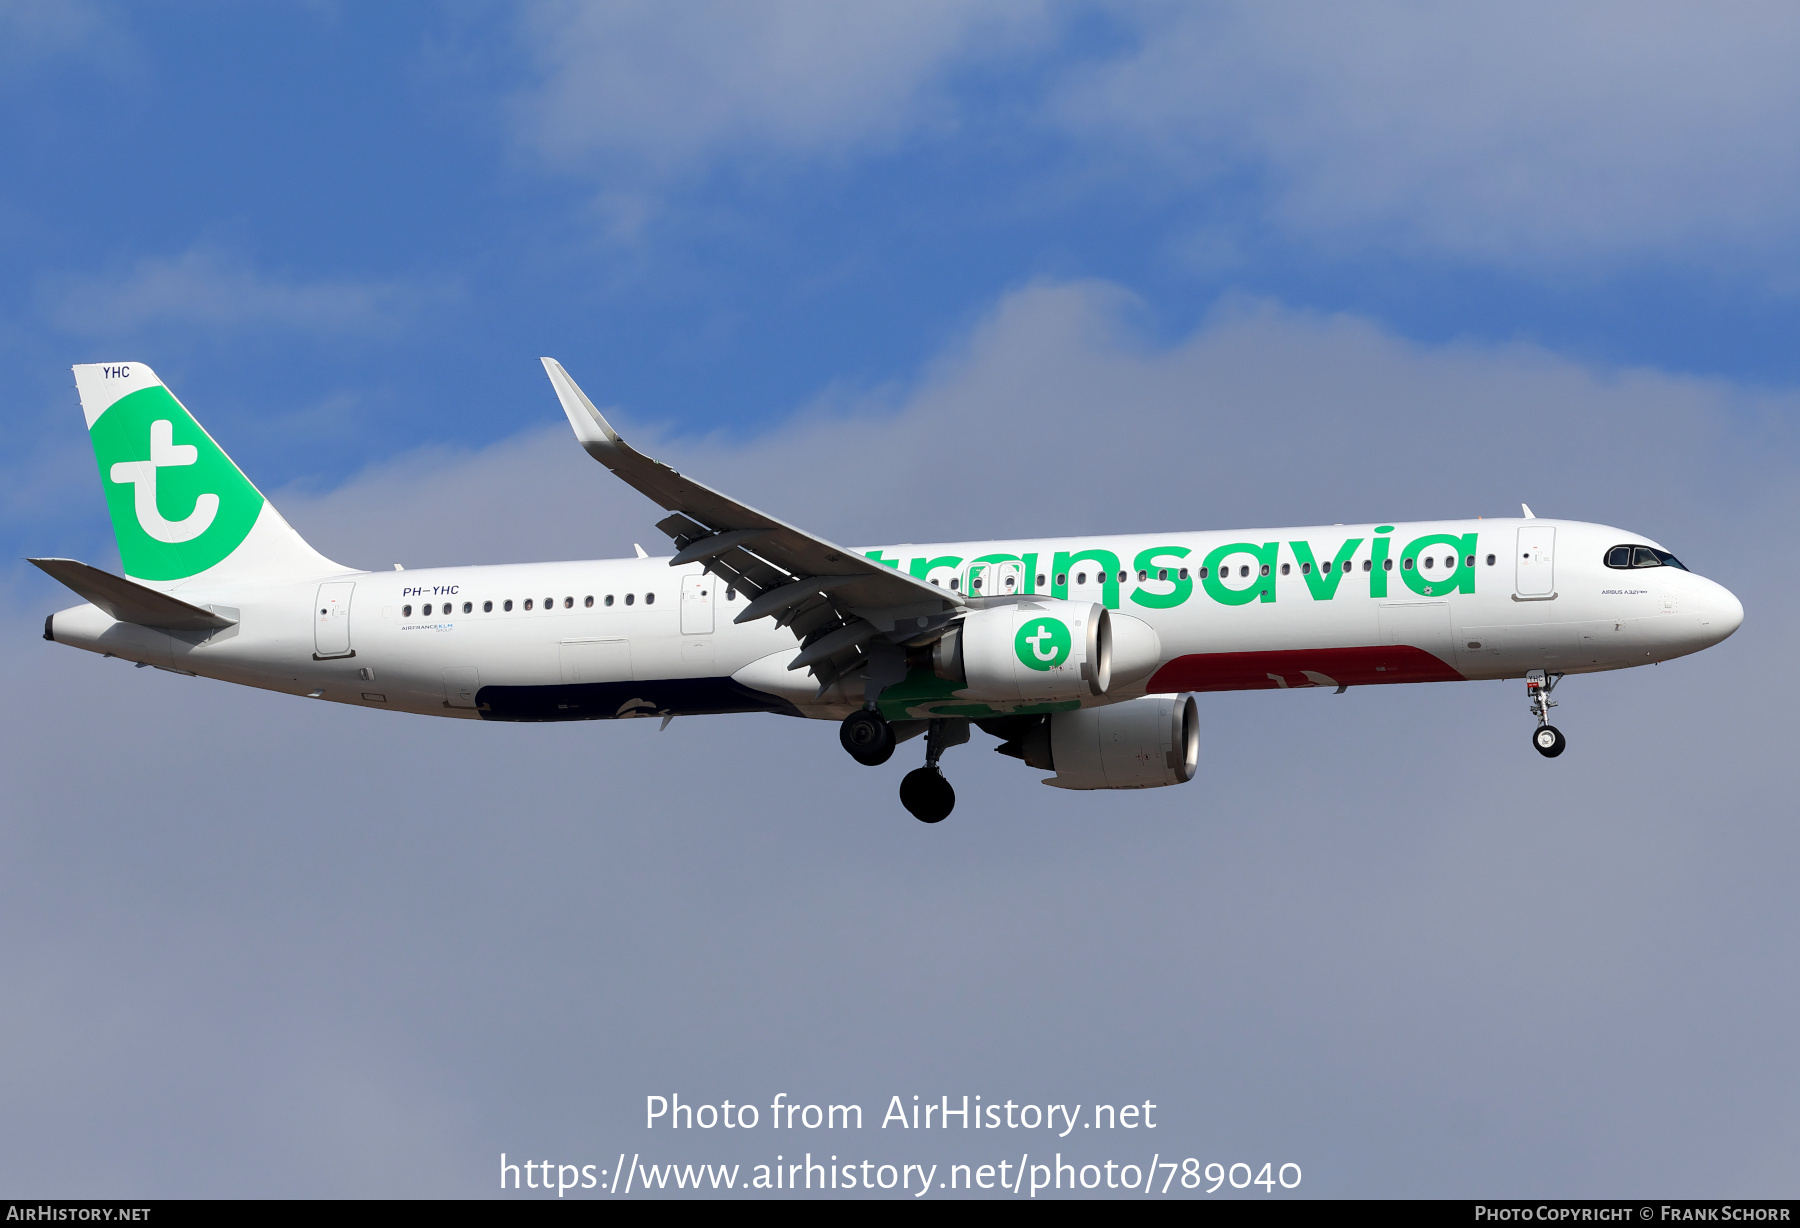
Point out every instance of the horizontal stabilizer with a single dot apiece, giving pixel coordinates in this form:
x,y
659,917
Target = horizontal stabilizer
x,y
130,602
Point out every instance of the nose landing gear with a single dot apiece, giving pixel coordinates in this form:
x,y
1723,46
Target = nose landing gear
x,y
925,793
1547,738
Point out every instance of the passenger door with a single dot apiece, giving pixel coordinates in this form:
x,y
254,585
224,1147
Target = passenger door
x,y
331,623
1535,560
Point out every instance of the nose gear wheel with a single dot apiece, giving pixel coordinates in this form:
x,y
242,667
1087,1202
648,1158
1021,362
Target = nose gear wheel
x,y
1546,739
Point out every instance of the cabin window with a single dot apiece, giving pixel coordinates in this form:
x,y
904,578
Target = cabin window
x,y
1406,565
507,605
1142,575
1121,577
954,582
1469,562
1387,564
568,603
487,607
1428,562
425,610
1081,577
405,611
1490,561
527,603
549,603
1183,573
1062,579
1040,582
1243,571
1162,573
587,602
468,607
731,594
1306,568
1203,573
630,597
649,598
609,599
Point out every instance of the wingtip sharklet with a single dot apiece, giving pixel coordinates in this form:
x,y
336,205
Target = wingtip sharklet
x,y
591,426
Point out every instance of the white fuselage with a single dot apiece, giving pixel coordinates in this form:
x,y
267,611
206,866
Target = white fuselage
x,y
634,637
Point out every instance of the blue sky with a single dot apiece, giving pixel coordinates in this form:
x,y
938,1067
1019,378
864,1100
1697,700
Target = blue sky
x,y
921,271
378,213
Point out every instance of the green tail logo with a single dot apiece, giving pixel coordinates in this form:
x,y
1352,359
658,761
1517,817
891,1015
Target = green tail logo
x,y
178,504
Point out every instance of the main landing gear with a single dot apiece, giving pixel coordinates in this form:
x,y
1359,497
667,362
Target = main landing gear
x,y
868,738
1547,738
924,792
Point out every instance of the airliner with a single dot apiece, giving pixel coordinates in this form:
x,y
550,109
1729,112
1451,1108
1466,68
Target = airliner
x,y
1081,655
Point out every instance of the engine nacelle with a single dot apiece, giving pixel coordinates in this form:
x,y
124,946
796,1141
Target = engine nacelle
x,y
1032,651
1139,744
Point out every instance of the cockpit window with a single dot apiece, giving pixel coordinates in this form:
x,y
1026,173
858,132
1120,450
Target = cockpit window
x,y
1641,556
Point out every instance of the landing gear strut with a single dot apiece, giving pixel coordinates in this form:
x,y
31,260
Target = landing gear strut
x,y
925,793
1547,738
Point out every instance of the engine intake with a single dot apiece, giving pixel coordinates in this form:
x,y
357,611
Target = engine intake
x,y
1031,651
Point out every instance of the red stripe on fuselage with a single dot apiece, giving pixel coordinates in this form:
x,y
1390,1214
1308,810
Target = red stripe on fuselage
x,y
1252,671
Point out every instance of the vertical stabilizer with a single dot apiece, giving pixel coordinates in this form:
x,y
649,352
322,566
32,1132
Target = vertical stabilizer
x,y
181,510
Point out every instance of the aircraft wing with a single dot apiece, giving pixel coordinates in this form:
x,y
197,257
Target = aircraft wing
x,y
839,603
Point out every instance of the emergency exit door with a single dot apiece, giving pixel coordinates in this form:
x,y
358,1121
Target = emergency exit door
x,y
1005,578
1535,562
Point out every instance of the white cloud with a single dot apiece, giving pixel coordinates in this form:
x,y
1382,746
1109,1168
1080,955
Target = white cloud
x,y
209,287
670,85
1527,132
39,31
1530,134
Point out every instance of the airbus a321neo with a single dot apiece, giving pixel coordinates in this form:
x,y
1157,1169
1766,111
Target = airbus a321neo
x,y
1081,655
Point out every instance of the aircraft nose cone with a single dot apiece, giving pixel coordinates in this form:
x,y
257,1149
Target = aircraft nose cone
x,y
1725,611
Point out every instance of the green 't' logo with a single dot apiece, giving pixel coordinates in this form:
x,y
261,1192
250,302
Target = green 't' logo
x,y
178,504
1042,643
